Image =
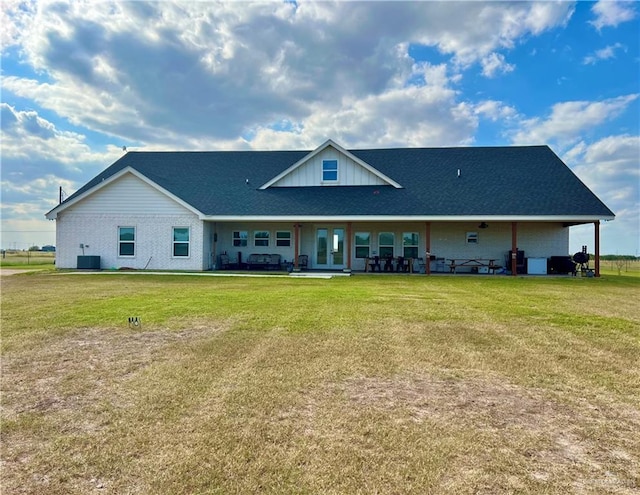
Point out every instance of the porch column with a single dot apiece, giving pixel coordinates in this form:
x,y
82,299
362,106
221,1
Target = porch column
x,y
348,246
427,237
596,226
214,254
514,248
296,244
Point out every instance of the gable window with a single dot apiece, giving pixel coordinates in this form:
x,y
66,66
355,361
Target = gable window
x,y
363,243
181,241
283,238
472,238
126,241
240,238
410,244
386,241
329,170
261,238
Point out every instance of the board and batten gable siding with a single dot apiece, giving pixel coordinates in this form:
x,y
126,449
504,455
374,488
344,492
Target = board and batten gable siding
x,y
128,202
128,195
350,173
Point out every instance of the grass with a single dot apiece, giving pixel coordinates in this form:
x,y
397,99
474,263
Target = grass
x,y
31,260
368,384
620,267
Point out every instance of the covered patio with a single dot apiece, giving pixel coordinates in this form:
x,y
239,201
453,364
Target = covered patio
x,y
472,247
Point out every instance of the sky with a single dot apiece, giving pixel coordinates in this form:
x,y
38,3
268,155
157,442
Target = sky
x,y
80,80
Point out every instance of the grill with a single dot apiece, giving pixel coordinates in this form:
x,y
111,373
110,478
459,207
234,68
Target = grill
x,y
581,258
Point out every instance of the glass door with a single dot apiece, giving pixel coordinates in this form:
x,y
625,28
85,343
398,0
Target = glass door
x,y
330,248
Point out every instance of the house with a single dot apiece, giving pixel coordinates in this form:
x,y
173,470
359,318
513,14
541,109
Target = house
x,y
182,210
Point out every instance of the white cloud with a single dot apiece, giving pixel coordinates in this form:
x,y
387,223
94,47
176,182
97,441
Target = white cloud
x,y
610,168
38,158
14,17
569,119
480,28
494,63
603,54
187,74
24,198
611,13
496,111
26,135
415,116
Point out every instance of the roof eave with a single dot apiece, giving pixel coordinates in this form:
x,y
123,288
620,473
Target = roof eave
x,y
574,219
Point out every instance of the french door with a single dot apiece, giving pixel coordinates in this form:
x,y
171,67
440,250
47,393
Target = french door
x,y
330,248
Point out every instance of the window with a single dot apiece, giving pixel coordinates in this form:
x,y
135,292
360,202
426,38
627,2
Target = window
x,y
329,170
240,238
126,241
261,238
410,244
472,238
363,242
181,241
283,238
386,241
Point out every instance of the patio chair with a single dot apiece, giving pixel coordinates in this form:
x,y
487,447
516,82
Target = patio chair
x,y
374,263
401,266
303,261
224,262
388,264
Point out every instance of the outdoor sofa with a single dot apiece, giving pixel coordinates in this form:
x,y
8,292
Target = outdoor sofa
x,y
264,261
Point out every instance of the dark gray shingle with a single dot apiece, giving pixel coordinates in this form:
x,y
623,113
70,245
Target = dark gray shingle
x,y
525,180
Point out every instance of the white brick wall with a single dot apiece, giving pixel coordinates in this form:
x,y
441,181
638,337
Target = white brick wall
x,y
535,239
128,202
154,240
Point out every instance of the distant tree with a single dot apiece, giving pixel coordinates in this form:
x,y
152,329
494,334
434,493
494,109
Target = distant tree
x,y
615,257
49,249
34,248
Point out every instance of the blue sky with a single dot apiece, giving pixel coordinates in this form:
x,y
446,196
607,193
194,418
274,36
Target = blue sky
x,y
80,80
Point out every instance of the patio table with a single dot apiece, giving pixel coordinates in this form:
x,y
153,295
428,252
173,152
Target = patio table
x,y
455,263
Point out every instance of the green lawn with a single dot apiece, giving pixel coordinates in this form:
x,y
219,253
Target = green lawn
x,y
367,384
31,260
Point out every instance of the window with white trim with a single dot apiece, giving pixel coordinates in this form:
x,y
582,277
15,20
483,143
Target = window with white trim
x,y
181,237
410,244
240,238
329,170
363,244
261,238
283,238
386,241
127,241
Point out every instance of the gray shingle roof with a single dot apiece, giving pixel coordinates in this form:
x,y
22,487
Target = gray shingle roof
x,y
529,180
